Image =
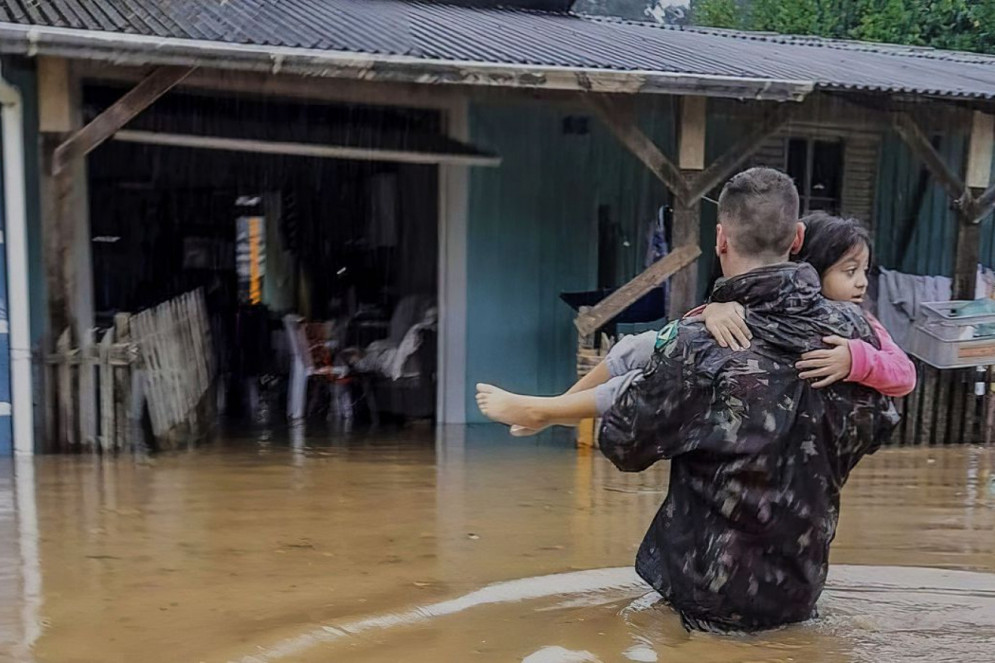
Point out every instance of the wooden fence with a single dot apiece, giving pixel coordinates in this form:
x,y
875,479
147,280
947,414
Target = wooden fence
x,y
947,407
160,360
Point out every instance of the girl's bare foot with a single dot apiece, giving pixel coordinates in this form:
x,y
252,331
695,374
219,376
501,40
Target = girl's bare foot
x,y
522,431
507,408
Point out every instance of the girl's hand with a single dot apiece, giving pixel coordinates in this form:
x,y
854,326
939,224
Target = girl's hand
x,y
830,365
727,325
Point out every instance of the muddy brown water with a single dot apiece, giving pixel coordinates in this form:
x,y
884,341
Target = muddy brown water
x,y
461,545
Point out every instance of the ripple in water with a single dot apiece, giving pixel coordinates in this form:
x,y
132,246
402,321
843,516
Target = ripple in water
x,y
868,613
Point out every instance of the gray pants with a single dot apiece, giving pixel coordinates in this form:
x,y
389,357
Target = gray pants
x,y
625,361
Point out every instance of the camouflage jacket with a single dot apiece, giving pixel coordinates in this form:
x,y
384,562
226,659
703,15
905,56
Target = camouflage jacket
x,y
758,457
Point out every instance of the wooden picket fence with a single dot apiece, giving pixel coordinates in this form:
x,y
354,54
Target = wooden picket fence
x,y
174,341
160,361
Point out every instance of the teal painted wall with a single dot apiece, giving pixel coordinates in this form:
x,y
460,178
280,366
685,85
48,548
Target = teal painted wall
x,y
934,240
533,233
532,230
931,249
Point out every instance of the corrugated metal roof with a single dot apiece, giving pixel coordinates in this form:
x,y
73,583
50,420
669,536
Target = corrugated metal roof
x,y
447,32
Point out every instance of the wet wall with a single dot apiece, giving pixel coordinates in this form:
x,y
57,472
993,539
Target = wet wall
x,y
533,233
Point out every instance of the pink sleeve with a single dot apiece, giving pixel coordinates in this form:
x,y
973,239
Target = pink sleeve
x,y
888,370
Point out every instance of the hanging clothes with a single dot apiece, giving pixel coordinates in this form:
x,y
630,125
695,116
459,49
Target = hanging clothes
x,y
657,248
656,245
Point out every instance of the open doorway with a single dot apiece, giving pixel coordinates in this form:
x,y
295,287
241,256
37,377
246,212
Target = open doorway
x,y
299,222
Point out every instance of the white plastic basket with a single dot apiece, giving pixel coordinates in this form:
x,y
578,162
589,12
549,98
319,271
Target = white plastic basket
x,y
945,338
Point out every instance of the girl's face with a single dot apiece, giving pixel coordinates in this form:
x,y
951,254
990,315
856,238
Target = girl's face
x,y
846,281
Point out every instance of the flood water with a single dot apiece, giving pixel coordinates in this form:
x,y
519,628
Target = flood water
x,y
462,545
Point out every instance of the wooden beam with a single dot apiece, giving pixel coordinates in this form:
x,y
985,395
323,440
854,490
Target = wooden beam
x,y
723,168
118,114
979,155
691,140
305,149
621,120
609,307
292,86
984,204
913,136
55,105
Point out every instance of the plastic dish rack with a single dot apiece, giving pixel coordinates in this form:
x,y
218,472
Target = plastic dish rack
x,y
944,338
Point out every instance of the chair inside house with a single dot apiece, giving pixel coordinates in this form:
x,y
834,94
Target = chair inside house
x,y
303,368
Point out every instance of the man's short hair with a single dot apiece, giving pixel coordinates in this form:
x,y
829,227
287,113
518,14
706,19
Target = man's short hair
x,y
759,209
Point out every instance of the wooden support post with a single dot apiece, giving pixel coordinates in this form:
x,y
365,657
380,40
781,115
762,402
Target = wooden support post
x,y
55,105
979,155
87,392
687,233
586,359
691,141
66,221
67,410
978,177
124,426
687,208
58,110
68,241
979,164
106,372
966,258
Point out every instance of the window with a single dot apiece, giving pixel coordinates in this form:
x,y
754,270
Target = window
x,y
817,168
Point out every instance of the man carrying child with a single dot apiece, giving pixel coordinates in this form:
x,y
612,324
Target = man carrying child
x,y
758,455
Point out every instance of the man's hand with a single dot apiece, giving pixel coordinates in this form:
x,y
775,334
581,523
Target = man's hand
x,y
727,324
826,366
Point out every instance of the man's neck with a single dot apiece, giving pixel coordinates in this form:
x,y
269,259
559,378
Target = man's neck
x,y
737,266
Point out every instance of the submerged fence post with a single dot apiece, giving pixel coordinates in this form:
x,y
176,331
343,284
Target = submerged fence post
x,y
106,387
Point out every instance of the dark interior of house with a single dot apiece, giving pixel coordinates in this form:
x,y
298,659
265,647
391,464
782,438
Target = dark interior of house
x,y
342,243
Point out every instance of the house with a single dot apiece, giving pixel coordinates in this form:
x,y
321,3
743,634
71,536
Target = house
x,y
533,145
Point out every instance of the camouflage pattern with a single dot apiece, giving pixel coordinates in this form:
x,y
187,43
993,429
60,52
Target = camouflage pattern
x,y
741,542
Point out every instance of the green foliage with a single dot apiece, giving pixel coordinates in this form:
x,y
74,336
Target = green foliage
x,y
717,14
967,25
798,17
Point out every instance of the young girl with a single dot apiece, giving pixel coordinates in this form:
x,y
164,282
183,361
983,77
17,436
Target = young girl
x,y
838,249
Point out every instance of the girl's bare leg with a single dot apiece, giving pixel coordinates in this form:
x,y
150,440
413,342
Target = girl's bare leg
x,y
536,412
599,375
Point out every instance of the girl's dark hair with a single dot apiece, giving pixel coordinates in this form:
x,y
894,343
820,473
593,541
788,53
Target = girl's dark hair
x,y
828,238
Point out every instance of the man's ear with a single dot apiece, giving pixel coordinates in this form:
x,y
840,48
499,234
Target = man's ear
x,y
721,240
799,241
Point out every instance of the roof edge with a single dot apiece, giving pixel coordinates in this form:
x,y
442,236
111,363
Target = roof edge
x,y
138,50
